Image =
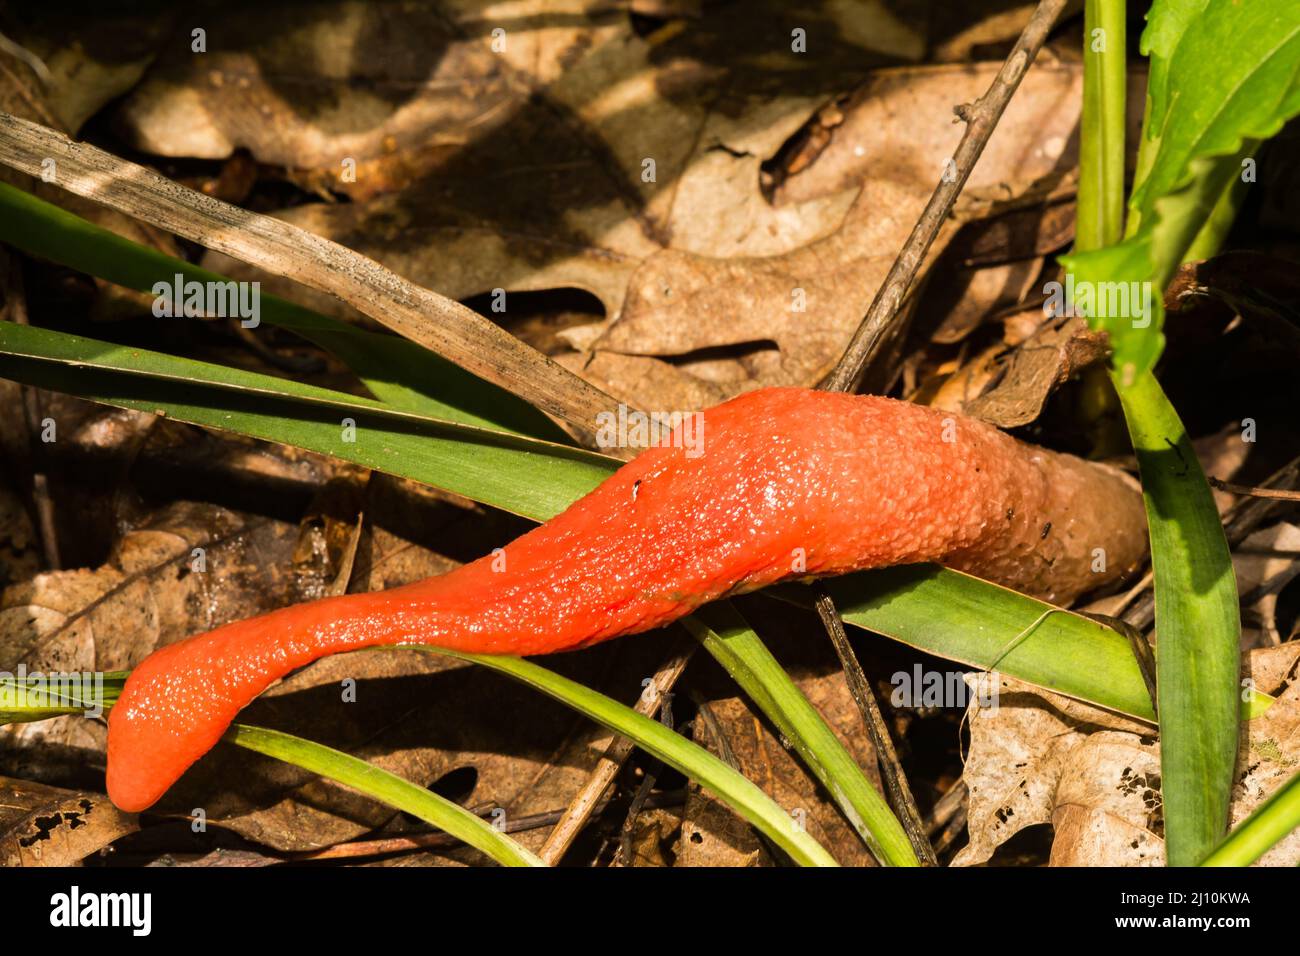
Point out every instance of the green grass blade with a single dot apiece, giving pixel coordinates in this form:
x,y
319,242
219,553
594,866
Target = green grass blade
x,y
1197,627
24,700
386,787
1267,826
673,749
727,636
395,370
527,476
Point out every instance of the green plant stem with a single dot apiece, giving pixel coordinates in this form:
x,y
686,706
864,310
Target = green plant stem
x,y
1100,217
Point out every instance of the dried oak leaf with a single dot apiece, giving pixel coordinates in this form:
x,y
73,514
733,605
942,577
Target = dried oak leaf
x,y
603,146
47,826
806,301
1008,386
1095,776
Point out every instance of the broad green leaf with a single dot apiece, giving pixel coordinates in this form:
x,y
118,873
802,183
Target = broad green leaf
x,y
654,738
728,637
527,476
1231,77
1268,825
1120,287
961,618
1202,124
1167,21
395,370
964,619
386,787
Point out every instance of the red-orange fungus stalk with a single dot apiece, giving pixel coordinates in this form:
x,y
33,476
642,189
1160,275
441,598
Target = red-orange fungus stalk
x,y
791,483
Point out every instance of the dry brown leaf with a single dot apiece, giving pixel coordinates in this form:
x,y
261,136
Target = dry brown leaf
x,y
971,296
975,28
1008,387
653,834
808,300
47,826
588,219
93,56
1106,808
1019,752
537,176
1095,776
713,835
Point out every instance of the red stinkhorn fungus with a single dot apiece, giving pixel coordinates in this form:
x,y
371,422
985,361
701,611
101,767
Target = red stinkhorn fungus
x,y
791,483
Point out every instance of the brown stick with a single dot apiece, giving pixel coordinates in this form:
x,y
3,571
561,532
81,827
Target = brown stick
x,y
891,768
1279,494
591,796
981,117
434,321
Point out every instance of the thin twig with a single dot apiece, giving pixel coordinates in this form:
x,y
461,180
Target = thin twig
x,y
623,855
981,117
948,818
591,796
440,324
1280,494
946,807
900,794
704,712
